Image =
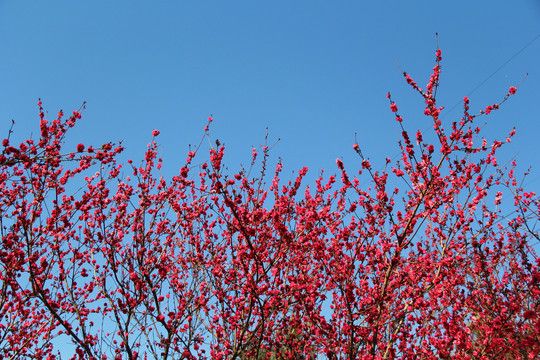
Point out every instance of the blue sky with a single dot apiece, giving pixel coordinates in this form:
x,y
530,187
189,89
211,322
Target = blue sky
x,y
314,72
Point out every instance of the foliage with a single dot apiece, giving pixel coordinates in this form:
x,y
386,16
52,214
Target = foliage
x,y
212,265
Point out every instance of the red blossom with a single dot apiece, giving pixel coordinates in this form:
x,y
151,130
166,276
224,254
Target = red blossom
x,y
365,164
529,314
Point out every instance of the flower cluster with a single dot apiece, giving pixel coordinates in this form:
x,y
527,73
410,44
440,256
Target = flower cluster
x,y
211,265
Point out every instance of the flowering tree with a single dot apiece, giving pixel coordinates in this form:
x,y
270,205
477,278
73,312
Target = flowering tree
x,y
211,265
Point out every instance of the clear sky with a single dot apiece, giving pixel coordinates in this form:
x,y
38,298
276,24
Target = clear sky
x,y
314,72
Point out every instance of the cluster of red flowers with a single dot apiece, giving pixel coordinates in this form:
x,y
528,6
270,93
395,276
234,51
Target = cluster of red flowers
x,y
209,265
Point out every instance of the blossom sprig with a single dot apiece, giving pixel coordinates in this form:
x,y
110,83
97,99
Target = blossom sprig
x,y
394,108
511,91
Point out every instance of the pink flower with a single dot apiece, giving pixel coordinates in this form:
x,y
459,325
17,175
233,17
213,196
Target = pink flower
x,y
80,148
393,107
365,164
155,133
512,90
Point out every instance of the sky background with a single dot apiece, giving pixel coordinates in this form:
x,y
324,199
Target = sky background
x,y
313,72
